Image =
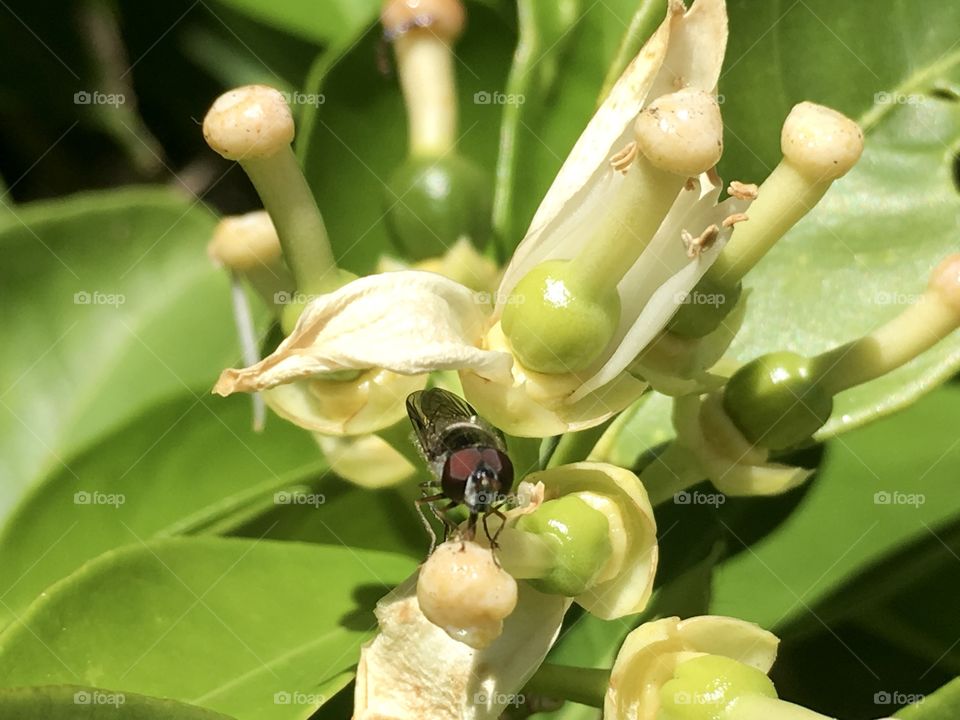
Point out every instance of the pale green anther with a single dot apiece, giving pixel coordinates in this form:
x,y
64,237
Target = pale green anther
x,y
556,325
703,688
579,539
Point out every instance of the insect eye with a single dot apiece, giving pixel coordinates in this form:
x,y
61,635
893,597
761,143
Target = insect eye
x,y
501,463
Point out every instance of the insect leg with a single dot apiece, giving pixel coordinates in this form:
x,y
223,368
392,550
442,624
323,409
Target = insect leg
x,y
428,501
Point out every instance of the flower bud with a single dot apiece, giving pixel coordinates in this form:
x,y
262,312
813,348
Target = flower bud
x,y
444,18
462,590
681,133
554,325
776,402
249,122
821,143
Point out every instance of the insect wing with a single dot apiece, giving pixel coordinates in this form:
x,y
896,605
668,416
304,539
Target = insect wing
x,y
431,412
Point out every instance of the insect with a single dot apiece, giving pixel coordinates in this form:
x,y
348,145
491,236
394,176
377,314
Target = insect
x,y
468,457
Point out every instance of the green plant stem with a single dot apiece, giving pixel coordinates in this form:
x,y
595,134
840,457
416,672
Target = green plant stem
x,y
576,446
644,21
586,686
303,236
672,471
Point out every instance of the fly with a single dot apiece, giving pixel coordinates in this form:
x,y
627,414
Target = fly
x,y
468,457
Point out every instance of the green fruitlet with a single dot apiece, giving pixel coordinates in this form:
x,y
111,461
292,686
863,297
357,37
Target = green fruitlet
x,y
775,401
554,325
703,687
433,202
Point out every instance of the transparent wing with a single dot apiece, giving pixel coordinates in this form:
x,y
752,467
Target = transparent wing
x,y
432,412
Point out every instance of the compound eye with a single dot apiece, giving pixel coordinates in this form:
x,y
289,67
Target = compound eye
x,y
457,470
500,462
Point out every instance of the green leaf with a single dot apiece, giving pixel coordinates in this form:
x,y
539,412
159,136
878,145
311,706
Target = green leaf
x,y
100,308
172,471
944,704
254,629
891,483
350,145
73,702
324,23
867,249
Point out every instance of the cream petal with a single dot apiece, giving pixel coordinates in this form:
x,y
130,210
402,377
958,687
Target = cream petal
x,y
650,654
655,287
685,51
407,322
413,669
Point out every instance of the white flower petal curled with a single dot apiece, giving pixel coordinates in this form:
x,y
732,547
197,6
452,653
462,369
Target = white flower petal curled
x,y
407,322
650,654
414,669
685,51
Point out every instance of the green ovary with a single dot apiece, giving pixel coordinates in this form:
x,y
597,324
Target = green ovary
x,y
554,324
704,687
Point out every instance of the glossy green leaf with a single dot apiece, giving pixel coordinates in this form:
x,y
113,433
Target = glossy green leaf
x,y
324,23
73,702
100,310
889,483
175,469
942,705
258,630
351,144
867,249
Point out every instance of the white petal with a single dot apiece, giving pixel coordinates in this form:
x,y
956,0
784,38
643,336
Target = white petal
x,y
685,51
407,322
413,669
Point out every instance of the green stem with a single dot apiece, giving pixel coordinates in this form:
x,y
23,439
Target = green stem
x,y
672,471
576,446
631,216
784,198
587,686
303,236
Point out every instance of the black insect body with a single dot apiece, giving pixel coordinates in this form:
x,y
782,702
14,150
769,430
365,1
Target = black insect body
x,y
468,457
